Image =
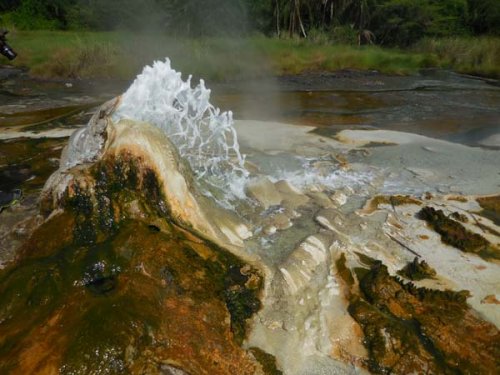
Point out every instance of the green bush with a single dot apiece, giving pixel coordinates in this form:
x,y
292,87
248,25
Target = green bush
x,y
404,22
344,35
478,56
318,36
39,14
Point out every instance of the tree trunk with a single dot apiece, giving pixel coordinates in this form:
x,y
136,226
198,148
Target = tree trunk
x,y
278,31
297,12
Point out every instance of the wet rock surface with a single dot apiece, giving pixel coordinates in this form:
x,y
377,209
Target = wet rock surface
x,y
147,275
417,270
124,291
27,163
453,233
491,208
417,330
132,283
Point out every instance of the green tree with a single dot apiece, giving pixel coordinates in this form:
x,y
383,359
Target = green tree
x,y
207,18
260,15
484,16
40,14
117,14
403,22
8,5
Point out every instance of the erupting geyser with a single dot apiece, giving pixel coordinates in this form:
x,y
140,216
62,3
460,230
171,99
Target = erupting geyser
x,y
202,134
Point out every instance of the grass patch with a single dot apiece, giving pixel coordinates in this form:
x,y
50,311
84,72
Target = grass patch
x,y
70,54
58,54
292,56
478,56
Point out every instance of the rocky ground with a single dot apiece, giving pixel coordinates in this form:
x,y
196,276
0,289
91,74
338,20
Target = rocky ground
x,y
356,251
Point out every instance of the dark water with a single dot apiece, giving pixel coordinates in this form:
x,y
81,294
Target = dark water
x,y
439,104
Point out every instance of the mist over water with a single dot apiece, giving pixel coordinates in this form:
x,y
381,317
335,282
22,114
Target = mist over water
x,y
210,40
206,41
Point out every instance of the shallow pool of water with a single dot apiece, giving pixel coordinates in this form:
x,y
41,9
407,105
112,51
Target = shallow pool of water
x,y
435,103
439,104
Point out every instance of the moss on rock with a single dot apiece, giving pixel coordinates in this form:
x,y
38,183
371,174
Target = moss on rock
x,y
491,208
455,234
267,361
418,330
417,270
393,200
117,292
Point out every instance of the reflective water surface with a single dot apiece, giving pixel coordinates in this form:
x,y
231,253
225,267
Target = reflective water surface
x,y
439,104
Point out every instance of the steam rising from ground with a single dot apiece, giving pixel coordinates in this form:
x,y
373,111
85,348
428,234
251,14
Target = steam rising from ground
x,y
203,135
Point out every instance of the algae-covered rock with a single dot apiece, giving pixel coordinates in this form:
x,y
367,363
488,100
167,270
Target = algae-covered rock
x,y
125,305
125,275
491,208
142,266
417,270
418,330
144,148
114,293
459,217
393,200
455,234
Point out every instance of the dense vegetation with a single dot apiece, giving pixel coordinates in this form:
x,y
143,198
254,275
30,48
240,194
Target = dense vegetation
x,y
115,38
383,22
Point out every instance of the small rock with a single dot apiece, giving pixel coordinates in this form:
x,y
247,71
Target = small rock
x,y
292,197
490,299
321,199
282,221
269,230
264,191
285,187
339,198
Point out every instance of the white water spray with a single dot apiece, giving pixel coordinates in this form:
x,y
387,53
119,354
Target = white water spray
x,y
203,135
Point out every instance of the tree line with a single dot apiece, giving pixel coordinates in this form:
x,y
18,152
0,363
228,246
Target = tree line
x,y
384,22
